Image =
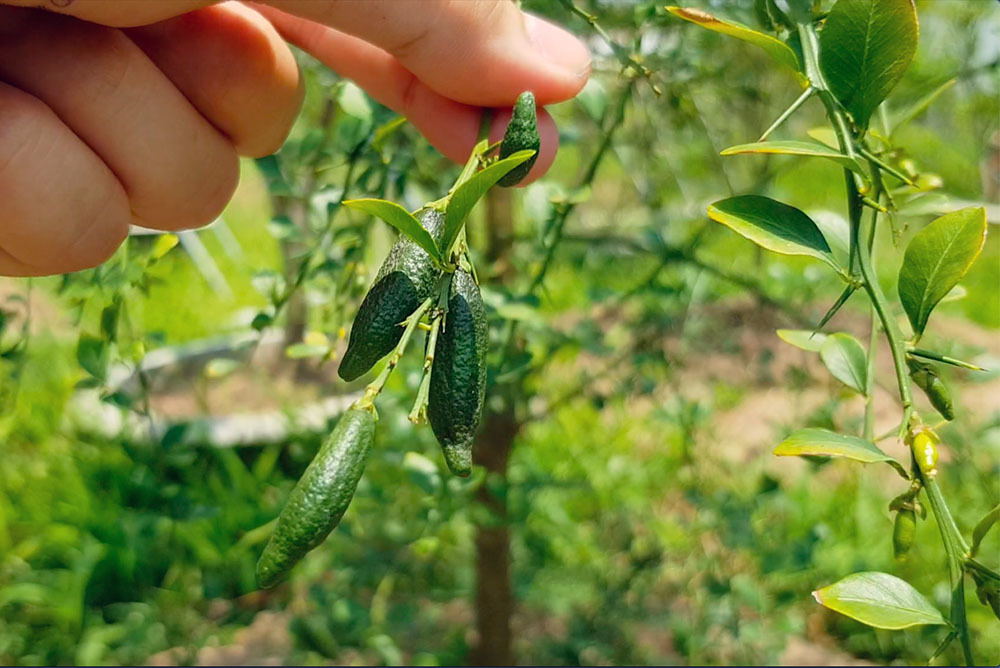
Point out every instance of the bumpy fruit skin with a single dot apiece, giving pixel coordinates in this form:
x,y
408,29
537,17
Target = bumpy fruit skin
x,y
521,135
903,531
928,380
320,497
407,277
458,377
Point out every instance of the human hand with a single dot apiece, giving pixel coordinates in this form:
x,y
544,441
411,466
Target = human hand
x,y
124,112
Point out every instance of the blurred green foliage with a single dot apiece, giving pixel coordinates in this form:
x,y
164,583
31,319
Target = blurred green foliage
x,y
642,532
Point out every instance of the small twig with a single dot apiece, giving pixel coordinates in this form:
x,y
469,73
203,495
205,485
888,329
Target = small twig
x,y
627,59
785,115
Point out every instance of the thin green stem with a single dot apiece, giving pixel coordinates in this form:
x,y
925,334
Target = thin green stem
x,y
897,345
562,211
869,432
628,60
785,115
419,413
885,167
955,549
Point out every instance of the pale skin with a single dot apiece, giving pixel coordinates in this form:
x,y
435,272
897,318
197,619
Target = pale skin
x,y
121,112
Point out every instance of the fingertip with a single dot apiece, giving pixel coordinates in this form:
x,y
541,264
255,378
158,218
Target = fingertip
x,y
566,55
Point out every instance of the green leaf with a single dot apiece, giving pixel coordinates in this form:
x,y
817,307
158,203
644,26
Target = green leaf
x,y
775,48
92,355
865,47
399,218
983,527
837,232
846,360
880,600
470,192
937,259
109,320
775,226
805,339
384,132
799,148
825,443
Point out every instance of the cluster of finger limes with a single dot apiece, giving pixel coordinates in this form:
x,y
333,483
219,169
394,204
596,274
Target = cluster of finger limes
x,y
409,286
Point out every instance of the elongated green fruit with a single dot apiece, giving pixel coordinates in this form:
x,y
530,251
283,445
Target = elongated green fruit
x,y
407,277
320,497
458,377
930,382
521,135
903,531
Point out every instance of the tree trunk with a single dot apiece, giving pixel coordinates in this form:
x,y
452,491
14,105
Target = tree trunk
x,y
494,597
494,594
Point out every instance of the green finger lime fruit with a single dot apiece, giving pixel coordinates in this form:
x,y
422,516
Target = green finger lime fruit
x,y
458,376
521,135
903,531
407,277
927,379
320,497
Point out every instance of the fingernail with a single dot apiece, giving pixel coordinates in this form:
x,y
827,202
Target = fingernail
x,y
558,46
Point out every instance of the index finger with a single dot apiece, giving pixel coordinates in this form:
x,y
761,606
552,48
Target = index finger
x,y
481,53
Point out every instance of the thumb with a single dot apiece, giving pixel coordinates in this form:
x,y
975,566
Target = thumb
x,y
480,53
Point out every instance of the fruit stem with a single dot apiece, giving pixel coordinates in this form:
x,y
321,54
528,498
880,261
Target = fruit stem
x,y
419,413
885,167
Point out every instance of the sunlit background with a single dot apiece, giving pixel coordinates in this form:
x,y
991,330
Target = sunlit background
x,y
642,517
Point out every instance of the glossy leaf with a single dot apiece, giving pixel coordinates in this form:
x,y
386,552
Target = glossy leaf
x,y
798,148
826,443
846,360
92,354
865,47
805,339
774,47
775,226
937,259
837,232
399,218
469,193
880,600
109,321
